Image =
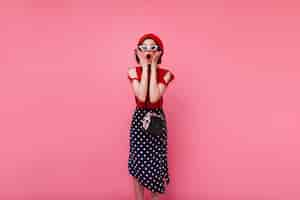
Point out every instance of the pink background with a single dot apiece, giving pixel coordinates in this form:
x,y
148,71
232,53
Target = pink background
x,y
233,109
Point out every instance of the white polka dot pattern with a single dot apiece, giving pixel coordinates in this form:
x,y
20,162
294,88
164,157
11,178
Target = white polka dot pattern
x,y
147,159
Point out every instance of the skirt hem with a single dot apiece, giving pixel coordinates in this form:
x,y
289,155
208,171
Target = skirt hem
x,y
145,186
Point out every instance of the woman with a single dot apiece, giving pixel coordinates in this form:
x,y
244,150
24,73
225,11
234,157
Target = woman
x,y
147,162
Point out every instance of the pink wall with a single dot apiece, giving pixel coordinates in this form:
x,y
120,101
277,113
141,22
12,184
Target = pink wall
x,y
233,110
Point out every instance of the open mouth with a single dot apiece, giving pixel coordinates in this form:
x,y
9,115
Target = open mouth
x,y
148,56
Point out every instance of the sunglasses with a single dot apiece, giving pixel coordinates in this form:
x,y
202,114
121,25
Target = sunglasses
x,y
144,47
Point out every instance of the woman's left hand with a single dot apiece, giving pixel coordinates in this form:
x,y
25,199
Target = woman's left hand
x,y
156,56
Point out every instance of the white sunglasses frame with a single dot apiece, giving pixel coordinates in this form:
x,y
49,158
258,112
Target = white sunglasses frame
x,y
148,47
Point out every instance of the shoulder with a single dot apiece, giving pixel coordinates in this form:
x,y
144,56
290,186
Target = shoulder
x,y
165,71
135,68
131,70
134,72
165,75
164,68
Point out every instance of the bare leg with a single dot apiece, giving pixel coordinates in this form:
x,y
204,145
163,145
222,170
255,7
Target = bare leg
x,y
154,196
138,189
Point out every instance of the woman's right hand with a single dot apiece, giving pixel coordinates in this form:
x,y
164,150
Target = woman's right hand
x,y
142,56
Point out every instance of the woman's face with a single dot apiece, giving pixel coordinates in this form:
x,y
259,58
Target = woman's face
x,y
149,42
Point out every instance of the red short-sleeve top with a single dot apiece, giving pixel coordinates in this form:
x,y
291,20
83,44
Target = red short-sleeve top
x,y
160,79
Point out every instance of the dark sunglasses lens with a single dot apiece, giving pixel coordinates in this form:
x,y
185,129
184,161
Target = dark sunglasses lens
x,y
141,48
153,47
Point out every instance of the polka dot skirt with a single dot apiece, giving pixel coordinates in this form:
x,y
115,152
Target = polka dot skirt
x,y
148,154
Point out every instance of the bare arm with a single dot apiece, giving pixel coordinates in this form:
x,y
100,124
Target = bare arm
x,y
139,87
157,89
154,91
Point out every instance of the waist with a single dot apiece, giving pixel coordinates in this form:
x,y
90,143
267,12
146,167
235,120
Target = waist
x,y
149,105
139,110
148,108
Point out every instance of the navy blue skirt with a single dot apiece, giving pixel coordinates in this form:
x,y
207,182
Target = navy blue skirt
x,y
148,161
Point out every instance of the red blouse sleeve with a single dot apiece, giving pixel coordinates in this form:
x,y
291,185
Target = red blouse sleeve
x,y
136,78
161,75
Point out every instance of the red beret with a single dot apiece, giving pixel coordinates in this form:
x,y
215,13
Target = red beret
x,y
152,36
